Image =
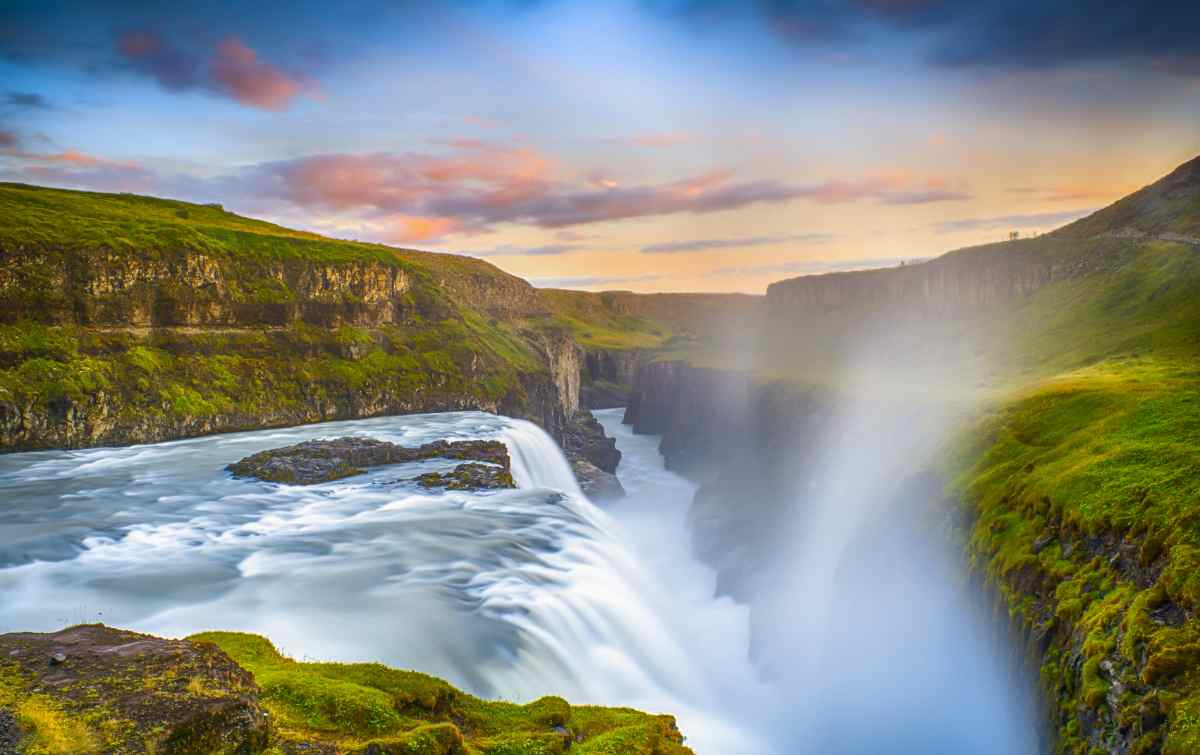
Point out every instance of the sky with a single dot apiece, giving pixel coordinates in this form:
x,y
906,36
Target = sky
x,y
650,146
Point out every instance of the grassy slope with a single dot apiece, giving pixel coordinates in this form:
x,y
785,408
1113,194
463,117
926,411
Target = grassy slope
x,y
1086,482
596,324
194,377
354,705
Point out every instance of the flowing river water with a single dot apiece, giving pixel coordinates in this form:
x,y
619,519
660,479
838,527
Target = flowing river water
x,y
512,593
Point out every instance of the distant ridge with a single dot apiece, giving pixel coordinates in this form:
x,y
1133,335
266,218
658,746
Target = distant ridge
x,y
965,280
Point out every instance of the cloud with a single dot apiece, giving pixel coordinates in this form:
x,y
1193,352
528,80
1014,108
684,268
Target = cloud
x,y
1027,220
479,121
886,188
237,71
26,100
232,70
8,139
925,197
701,245
1064,32
815,266
660,140
508,250
409,230
473,186
591,281
1064,193
1010,34
147,52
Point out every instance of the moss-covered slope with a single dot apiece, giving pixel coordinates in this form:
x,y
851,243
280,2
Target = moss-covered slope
x,y
132,319
1084,488
92,689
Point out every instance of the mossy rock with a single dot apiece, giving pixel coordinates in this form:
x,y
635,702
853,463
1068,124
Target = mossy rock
x,y
92,688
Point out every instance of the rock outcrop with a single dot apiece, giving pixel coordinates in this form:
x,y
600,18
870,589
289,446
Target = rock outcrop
x,y
593,457
91,689
316,461
470,476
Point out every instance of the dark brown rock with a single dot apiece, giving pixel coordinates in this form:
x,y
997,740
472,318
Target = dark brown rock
x,y
316,461
470,476
153,695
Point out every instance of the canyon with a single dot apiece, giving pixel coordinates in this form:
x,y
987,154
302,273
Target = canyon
x,y
1014,424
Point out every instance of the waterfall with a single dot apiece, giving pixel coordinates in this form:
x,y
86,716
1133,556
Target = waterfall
x,y
507,593
537,461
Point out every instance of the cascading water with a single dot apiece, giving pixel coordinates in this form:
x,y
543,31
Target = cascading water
x,y
516,593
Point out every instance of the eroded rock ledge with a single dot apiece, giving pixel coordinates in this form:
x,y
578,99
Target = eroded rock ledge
x,y
593,457
316,461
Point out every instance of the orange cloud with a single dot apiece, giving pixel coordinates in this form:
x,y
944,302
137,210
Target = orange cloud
x,y
408,230
237,71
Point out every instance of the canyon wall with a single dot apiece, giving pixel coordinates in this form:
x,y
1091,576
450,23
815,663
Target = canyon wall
x,y
103,347
963,280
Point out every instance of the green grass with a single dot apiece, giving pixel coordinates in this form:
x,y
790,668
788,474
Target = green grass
x,y
354,705
1084,483
597,324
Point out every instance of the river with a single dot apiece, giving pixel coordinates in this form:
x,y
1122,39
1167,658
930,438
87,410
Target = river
x,y
509,594
513,594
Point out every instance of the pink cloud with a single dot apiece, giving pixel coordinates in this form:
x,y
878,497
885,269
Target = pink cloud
x,y
232,70
8,139
480,184
237,71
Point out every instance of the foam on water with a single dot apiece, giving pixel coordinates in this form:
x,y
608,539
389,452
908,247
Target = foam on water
x,y
516,593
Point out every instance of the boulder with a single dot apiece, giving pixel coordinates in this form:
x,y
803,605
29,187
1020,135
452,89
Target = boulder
x,y
595,483
108,690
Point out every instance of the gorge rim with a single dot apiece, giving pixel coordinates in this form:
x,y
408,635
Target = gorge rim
x,y
557,377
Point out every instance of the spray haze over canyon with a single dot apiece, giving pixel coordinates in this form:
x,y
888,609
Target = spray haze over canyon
x,y
555,377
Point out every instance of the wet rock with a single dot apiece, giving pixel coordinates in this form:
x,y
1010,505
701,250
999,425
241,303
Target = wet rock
x,y
470,476
595,483
584,438
128,692
316,461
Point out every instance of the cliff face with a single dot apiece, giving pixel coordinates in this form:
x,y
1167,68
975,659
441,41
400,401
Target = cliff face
x,y
970,279
103,346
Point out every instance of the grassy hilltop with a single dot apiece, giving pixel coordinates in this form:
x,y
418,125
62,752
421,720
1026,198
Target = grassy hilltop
x,y
127,319
1085,478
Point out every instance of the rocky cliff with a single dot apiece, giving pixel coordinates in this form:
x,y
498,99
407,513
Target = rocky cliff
x,y
965,280
128,319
